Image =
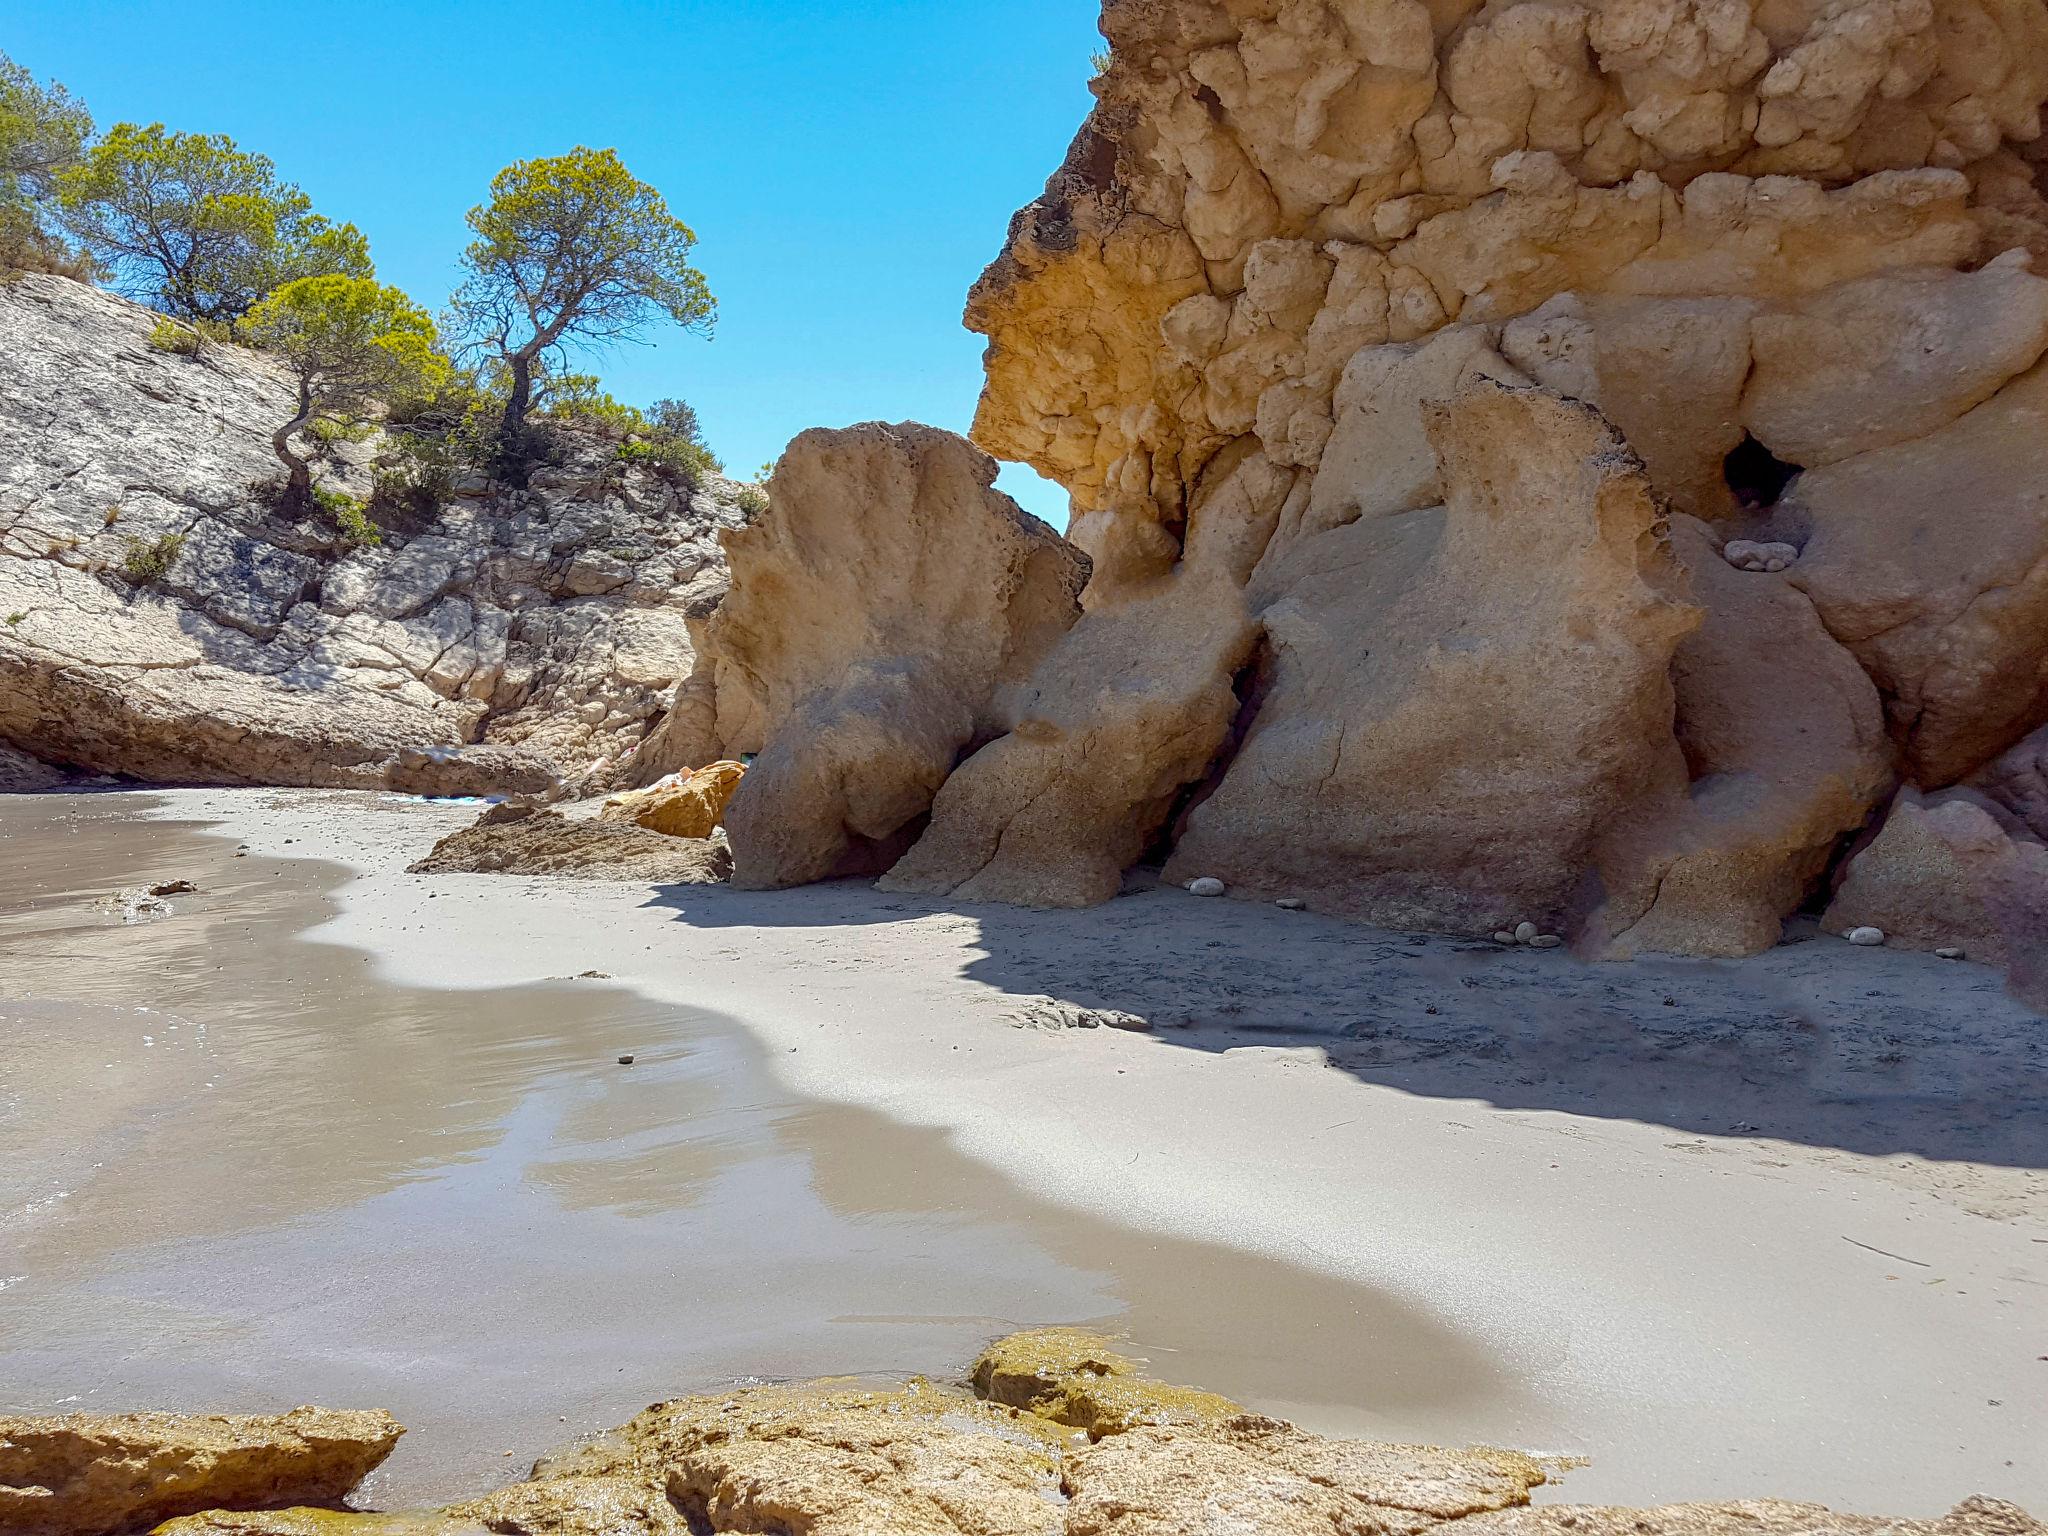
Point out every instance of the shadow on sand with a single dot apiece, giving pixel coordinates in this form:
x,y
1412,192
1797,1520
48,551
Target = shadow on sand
x,y
1868,1051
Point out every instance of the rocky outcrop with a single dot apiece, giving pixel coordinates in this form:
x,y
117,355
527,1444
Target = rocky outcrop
x,y
1340,648
1438,743
518,839
162,621
1949,871
886,608
21,774
682,805
112,1474
1062,1436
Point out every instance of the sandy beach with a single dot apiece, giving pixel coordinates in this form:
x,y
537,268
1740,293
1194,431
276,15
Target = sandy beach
x,y
1770,1228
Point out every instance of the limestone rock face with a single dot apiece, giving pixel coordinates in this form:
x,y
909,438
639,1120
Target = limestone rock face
x,y
683,805
1787,257
552,619
107,1475
1949,870
1929,560
885,611
1439,743
1784,739
523,840
21,774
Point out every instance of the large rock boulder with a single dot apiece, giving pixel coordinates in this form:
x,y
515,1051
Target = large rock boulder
x,y
1063,1436
1950,871
1784,740
1440,744
162,621
114,1474
1787,258
886,609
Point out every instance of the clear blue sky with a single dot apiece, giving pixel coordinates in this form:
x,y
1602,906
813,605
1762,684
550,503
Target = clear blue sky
x,y
849,167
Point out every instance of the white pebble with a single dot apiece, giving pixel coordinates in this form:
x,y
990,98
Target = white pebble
x,y
1948,954
1503,937
1290,903
1525,933
1208,885
1546,941
1869,938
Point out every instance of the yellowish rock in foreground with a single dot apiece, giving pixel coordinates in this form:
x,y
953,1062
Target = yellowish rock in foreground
x,y
683,804
101,1475
1063,1436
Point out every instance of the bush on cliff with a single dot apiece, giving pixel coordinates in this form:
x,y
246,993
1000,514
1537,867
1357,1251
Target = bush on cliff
x,y
349,342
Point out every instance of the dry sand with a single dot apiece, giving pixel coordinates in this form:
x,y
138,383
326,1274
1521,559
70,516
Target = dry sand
x,y
1784,1234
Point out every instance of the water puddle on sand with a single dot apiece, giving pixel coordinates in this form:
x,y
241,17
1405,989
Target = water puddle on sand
x,y
238,1171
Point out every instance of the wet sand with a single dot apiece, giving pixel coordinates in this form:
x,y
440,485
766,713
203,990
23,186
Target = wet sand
x,y
1787,1235
238,1170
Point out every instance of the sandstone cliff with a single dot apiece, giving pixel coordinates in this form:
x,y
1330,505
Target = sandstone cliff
x,y
1319,323
157,619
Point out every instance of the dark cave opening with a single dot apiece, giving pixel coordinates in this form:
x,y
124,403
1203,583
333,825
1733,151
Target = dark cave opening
x,y
1757,476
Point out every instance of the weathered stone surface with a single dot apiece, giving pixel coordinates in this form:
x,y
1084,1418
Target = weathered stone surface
x,y
1949,871
2018,781
454,772
884,611
1751,1517
1879,362
1439,743
520,840
1063,1438
1128,710
267,651
1929,560
21,774
1754,243
108,1475
1784,739
682,805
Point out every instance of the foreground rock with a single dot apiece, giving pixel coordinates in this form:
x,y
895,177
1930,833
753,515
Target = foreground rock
x,y
161,621
682,805
106,1475
522,840
1061,1436
885,610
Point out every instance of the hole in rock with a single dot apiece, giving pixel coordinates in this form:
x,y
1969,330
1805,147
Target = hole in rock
x,y
1757,476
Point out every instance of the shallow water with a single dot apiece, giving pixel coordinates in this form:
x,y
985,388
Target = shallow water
x,y
240,1171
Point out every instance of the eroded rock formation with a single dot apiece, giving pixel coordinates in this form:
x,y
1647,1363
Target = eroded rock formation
x,y
1062,1436
113,1474
886,609
1313,323
516,839
161,621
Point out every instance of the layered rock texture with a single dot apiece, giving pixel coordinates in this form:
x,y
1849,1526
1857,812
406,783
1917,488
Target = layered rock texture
x,y
109,1475
1061,1436
1567,463
886,609
158,619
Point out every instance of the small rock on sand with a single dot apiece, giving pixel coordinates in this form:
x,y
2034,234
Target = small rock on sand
x,y
1869,938
1525,933
1948,954
1546,941
1208,885
1290,903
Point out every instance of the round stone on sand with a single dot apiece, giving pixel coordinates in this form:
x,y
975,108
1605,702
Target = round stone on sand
x,y
1869,938
1208,885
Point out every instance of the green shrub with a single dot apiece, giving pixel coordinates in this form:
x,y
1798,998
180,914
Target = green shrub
x,y
180,340
752,500
15,618
689,462
351,515
327,431
149,560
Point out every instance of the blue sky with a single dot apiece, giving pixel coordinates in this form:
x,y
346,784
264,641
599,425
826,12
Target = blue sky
x,y
849,168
